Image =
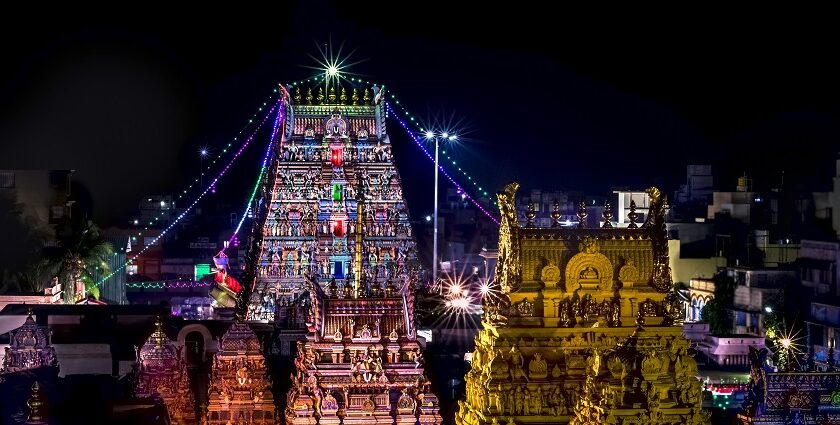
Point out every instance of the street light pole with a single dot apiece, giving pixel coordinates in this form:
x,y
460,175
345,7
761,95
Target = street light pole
x,y
436,138
203,153
435,242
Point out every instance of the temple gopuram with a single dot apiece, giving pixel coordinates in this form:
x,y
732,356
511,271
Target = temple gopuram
x,y
581,326
240,388
29,348
790,397
161,373
335,264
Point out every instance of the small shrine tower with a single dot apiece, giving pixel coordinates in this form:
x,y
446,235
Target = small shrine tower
x,y
240,389
30,346
161,372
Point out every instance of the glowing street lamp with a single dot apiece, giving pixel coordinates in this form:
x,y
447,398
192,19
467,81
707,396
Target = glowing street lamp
x,y
430,135
203,154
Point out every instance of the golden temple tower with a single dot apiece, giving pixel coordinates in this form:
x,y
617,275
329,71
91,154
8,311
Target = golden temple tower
x,y
581,326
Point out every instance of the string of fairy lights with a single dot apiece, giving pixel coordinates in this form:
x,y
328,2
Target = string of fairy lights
x,y
281,117
168,284
440,167
196,201
408,116
211,163
481,190
390,110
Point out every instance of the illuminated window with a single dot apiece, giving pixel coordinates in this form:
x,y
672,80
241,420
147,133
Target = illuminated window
x,y
337,157
201,270
338,228
336,192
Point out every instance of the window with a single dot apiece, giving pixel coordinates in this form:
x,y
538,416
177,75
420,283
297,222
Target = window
x,y
740,318
817,335
56,212
818,311
7,179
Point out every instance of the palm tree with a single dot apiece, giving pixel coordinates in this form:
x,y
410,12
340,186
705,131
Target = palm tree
x,y
78,255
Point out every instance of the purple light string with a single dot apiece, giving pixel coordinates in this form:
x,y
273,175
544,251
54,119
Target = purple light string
x,y
224,151
440,167
188,209
281,116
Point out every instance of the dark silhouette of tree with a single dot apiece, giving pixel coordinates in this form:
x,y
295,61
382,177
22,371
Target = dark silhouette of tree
x,y
716,312
23,240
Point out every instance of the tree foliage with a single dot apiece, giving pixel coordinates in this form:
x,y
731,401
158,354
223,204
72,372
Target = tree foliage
x,y
783,321
23,240
78,254
716,311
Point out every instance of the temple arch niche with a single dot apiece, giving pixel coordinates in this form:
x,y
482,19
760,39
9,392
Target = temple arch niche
x,y
589,269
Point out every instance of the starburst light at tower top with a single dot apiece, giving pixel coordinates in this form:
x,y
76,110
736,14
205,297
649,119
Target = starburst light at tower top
x,y
334,262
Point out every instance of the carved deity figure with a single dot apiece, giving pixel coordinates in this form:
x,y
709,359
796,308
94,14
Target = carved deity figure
x,y
517,362
316,400
242,376
593,362
557,402
518,403
418,358
565,321
537,368
589,273
537,402
615,313
508,267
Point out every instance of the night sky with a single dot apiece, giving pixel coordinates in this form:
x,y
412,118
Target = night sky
x,y
569,101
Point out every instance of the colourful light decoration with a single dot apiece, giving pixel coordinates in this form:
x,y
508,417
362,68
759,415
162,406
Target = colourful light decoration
x,y
284,95
188,209
281,117
332,65
405,112
422,130
166,284
204,152
442,170
480,189
201,270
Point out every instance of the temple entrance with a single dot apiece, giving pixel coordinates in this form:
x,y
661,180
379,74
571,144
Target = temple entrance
x,y
194,349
